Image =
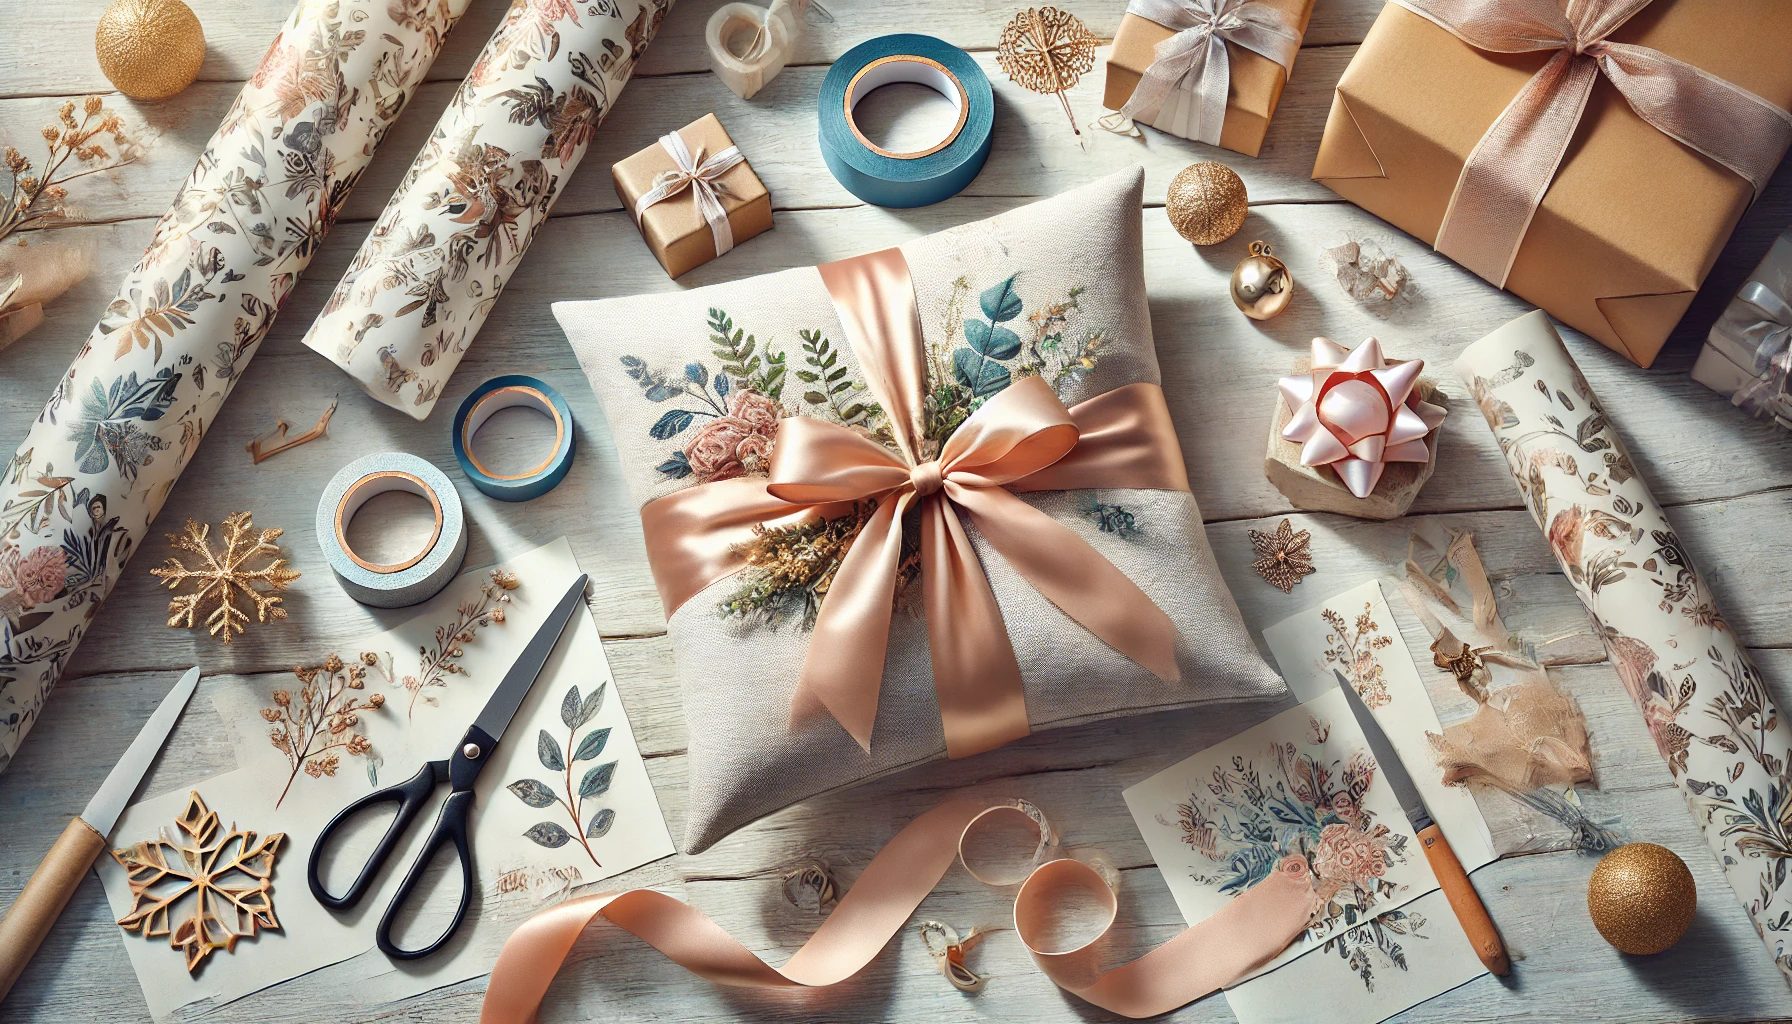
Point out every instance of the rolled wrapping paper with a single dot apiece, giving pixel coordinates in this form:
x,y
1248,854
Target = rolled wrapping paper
x,y
1705,703
409,581
510,391
919,178
433,266
79,496
1247,932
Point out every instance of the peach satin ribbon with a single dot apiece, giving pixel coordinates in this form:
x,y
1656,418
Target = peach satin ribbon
x,y
1509,170
1021,439
1250,930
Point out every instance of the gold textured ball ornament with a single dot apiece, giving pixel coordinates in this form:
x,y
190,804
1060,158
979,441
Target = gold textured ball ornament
x,y
1261,284
1642,898
149,49
1207,202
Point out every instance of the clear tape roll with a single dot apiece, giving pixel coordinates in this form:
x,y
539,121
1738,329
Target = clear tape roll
x,y
749,45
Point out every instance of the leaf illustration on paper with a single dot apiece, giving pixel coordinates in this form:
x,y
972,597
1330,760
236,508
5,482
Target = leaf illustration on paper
x,y
219,888
436,664
576,712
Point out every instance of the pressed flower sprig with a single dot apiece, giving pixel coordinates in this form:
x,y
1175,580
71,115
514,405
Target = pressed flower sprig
x,y
36,196
789,568
322,720
436,664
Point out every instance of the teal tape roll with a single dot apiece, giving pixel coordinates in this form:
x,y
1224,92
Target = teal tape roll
x,y
508,391
918,178
398,584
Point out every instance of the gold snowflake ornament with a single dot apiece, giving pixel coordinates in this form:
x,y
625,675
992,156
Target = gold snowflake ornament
x,y
1283,556
222,575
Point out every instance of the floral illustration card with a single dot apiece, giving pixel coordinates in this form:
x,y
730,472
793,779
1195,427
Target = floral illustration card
x,y
1302,783
1355,633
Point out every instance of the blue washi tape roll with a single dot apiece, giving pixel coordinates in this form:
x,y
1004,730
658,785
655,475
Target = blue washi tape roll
x,y
394,584
921,177
506,392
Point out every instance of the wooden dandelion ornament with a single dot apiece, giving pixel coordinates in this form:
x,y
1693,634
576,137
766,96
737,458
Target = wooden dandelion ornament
x,y
1047,50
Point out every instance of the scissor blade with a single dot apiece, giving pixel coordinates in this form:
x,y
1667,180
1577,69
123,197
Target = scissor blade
x,y
510,693
103,810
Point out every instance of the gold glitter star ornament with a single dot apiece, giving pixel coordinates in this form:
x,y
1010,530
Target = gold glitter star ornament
x,y
1283,557
221,576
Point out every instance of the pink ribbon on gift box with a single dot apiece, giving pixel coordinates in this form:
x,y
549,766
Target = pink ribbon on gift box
x,y
1195,59
1506,174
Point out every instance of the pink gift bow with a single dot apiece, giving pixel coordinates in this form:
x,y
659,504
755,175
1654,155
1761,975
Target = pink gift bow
x,y
702,178
1195,59
1506,174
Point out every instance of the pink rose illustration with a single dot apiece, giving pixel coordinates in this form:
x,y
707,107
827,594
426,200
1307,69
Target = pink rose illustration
x,y
41,574
760,412
1565,533
1349,856
754,453
712,452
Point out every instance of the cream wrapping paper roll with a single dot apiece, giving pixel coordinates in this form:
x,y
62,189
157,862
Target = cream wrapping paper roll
x,y
79,495
1705,703
454,232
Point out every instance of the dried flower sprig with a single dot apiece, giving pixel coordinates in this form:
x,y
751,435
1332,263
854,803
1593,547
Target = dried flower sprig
x,y
436,664
323,718
790,568
224,574
36,196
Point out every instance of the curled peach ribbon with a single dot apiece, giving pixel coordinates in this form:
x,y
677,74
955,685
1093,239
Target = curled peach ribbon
x,y
1246,933
1505,176
1021,439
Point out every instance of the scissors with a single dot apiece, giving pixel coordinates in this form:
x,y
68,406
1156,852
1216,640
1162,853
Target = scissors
x,y
461,770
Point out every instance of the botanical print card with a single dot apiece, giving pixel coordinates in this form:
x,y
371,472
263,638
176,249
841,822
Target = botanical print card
x,y
1366,974
1355,633
1301,783
564,800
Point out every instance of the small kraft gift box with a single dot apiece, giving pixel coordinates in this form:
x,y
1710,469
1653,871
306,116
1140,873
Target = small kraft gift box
x,y
693,195
1257,40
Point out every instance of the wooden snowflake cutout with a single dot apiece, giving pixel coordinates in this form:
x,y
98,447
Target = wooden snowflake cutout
x,y
218,888
1283,556
221,576
1047,50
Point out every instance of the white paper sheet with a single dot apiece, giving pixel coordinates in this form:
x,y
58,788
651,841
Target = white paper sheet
x,y
312,937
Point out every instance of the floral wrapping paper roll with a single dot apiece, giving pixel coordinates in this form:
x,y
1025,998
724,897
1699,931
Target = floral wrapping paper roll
x,y
454,232
1705,703
87,481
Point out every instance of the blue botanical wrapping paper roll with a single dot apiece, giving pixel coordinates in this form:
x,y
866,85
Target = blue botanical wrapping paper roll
x,y
79,495
457,228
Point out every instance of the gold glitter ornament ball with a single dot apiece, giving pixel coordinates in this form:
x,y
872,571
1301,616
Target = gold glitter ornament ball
x,y
149,49
1642,898
1206,203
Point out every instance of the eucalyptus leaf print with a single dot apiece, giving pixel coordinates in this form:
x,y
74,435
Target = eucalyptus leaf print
x,y
1704,702
565,760
87,482
475,197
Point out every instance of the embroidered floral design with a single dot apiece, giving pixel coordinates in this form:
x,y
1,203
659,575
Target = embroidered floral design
x,y
1353,651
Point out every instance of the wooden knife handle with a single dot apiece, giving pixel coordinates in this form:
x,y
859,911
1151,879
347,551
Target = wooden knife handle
x,y
37,908
1465,901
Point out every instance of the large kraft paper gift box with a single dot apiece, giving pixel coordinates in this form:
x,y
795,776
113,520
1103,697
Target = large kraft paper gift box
x,y
1632,220
1251,95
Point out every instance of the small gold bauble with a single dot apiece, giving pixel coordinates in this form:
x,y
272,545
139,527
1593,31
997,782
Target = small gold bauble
x,y
1207,202
1642,898
1261,284
149,49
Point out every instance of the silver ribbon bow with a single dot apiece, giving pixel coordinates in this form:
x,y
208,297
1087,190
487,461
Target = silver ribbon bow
x,y
1772,337
1194,60
701,177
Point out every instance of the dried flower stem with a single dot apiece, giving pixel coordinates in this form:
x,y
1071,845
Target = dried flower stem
x,y
34,197
323,719
435,665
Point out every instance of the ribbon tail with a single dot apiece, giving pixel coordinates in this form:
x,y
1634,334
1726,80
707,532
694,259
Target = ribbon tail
x,y
1173,64
1074,576
844,669
1215,78
983,703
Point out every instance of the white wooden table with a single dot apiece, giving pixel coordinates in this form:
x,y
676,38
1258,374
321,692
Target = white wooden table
x,y
1726,481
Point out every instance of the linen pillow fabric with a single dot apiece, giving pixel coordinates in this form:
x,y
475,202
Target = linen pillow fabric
x,y
692,385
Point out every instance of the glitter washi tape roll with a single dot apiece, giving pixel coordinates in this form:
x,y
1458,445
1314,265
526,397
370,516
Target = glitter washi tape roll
x,y
920,177
392,584
508,392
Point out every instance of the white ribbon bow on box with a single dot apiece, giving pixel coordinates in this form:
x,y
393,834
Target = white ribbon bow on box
x,y
1194,61
1772,336
702,177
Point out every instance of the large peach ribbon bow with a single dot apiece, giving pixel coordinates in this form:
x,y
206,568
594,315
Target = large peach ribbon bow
x,y
1020,431
1505,176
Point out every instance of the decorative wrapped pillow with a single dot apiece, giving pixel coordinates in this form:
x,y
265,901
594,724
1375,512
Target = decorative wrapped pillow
x,y
914,503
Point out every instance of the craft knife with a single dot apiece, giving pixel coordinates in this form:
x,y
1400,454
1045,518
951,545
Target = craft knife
x,y
1451,878
25,925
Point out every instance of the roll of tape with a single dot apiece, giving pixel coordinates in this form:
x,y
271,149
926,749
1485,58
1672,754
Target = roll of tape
x,y
394,584
748,45
507,392
918,178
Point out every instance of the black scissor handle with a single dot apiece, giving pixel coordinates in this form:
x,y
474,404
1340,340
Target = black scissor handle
x,y
451,826
411,795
